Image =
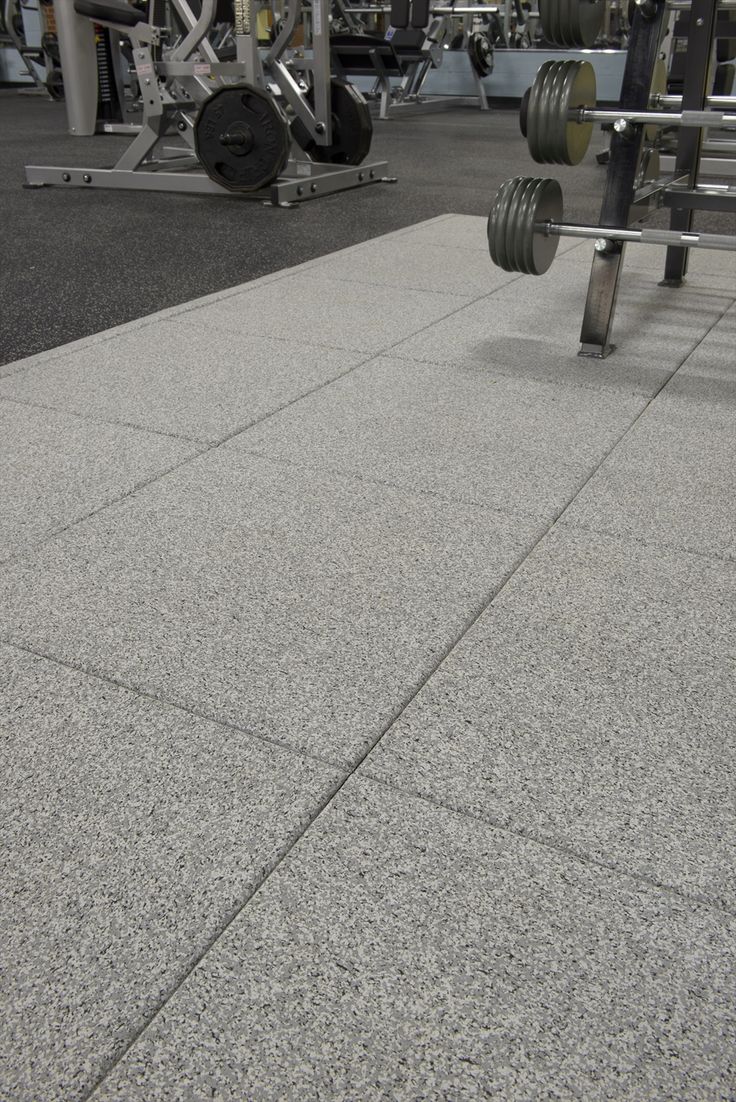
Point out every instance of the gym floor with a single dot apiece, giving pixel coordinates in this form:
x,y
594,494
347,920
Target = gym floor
x,y
367,656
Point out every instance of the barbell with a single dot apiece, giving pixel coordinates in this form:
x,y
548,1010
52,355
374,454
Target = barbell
x,y
558,115
526,223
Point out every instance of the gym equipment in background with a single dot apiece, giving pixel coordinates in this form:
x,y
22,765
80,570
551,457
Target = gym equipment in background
x,y
275,127
526,218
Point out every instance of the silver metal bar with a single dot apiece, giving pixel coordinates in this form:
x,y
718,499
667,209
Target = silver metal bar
x,y
641,237
710,101
661,118
478,9
190,21
284,191
685,5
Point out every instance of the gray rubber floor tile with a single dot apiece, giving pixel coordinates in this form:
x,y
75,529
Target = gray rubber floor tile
x,y
671,479
323,311
132,832
171,377
418,265
404,952
466,231
710,370
466,433
592,705
57,468
305,608
706,267
531,328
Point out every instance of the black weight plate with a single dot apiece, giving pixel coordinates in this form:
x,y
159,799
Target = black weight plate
x,y
241,138
55,84
480,52
352,127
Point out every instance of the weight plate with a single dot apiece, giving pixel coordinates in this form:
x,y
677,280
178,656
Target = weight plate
x,y
571,23
241,138
519,205
498,224
480,52
352,128
579,91
548,20
520,215
587,21
55,84
560,87
535,109
524,112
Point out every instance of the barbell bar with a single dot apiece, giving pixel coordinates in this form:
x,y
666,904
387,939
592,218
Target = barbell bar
x,y
526,223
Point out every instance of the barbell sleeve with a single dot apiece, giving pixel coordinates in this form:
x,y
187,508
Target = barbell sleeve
x,y
642,237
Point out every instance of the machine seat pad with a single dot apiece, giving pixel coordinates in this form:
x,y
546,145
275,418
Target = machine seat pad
x,y
112,11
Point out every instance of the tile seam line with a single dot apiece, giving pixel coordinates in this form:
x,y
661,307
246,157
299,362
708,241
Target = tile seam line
x,y
295,838
632,426
355,765
95,420
519,831
47,537
166,702
651,545
414,491
203,447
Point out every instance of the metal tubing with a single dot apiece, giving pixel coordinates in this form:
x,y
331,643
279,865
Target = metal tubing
x,y
383,9
710,101
661,118
641,237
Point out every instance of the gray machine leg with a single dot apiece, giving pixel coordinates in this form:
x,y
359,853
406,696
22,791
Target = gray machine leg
x,y
79,65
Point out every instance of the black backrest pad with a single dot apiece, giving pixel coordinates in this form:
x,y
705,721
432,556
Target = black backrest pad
x,y
112,11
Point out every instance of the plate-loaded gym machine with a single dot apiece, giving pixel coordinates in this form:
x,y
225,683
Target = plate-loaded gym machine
x,y
271,127
557,117
411,48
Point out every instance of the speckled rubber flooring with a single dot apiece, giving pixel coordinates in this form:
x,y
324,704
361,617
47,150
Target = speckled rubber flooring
x,y
367,672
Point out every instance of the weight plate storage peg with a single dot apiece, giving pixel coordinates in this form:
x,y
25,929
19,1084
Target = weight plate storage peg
x,y
480,52
516,237
570,23
553,135
352,127
241,138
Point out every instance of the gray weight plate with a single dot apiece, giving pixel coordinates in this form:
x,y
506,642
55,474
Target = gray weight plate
x,y
520,226
519,205
549,124
559,87
547,206
534,112
587,22
498,222
579,91
548,17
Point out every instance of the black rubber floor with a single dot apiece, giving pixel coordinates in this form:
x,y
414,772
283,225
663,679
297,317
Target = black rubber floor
x,y
75,262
